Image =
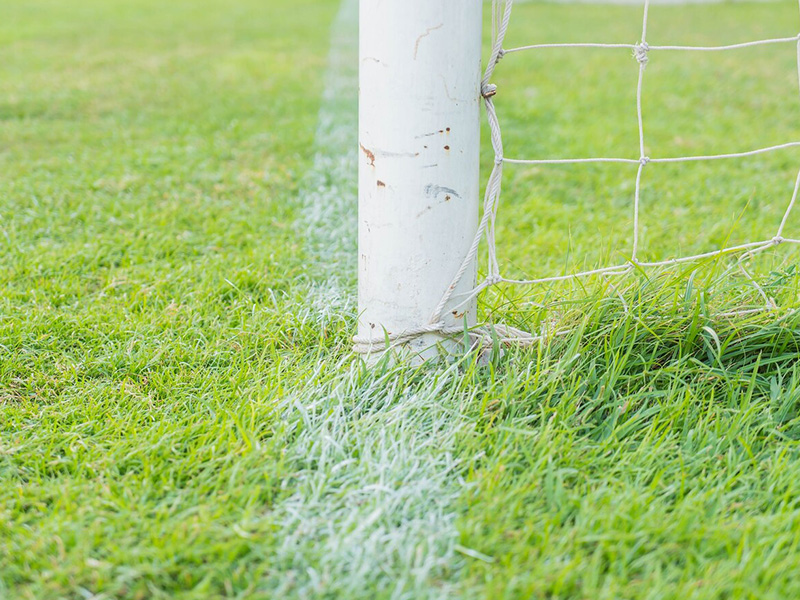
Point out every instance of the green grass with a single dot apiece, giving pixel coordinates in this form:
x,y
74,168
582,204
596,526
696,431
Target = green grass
x,y
180,415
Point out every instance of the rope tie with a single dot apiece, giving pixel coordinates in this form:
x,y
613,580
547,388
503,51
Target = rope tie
x,y
494,279
489,90
640,51
644,160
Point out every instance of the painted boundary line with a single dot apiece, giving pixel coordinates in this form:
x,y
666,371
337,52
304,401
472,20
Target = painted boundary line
x,y
329,189
374,474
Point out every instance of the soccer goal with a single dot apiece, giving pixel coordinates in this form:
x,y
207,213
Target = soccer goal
x,y
421,222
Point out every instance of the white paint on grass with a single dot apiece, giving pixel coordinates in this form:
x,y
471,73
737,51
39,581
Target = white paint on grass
x,y
375,484
329,192
374,475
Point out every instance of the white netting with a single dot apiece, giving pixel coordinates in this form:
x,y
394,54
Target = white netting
x,y
501,15
641,52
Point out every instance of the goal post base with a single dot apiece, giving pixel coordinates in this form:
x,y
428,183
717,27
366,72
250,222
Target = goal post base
x,y
428,348
485,341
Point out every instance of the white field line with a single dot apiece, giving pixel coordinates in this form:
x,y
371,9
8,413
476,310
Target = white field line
x,y
329,189
374,478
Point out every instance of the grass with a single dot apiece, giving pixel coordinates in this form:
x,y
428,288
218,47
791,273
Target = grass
x,y
181,417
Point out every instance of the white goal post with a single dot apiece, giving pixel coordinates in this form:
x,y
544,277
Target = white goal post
x,y
419,138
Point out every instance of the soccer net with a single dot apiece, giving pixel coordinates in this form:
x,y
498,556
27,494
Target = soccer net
x,y
642,52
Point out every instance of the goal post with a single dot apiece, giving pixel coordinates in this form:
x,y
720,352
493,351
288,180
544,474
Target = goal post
x,y
418,182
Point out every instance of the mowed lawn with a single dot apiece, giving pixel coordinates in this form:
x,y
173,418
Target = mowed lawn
x,y
152,287
180,415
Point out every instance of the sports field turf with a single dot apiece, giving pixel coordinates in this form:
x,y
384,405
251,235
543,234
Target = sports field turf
x,y
180,414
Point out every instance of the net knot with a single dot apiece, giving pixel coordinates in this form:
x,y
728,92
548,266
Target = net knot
x,y
778,239
640,51
498,160
501,53
489,90
644,160
493,279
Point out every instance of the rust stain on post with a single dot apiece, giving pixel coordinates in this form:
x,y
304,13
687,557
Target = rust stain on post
x,y
369,154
